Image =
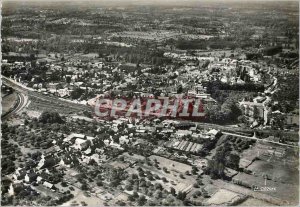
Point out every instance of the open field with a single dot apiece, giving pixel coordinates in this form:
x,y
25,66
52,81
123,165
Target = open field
x,y
119,164
125,160
277,155
79,197
280,172
222,197
121,197
255,202
172,175
171,165
270,198
282,191
173,180
249,155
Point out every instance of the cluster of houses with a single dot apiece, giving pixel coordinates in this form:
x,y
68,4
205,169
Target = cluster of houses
x,y
45,170
227,70
97,79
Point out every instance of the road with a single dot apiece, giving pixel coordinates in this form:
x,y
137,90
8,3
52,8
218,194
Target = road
x,y
45,101
249,131
21,103
262,140
61,105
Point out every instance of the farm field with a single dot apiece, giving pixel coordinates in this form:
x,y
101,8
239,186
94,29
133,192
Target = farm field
x,y
280,172
80,197
283,191
172,175
222,197
171,165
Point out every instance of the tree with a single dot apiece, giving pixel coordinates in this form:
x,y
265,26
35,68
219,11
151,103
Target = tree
x,y
26,122
181,195
216,166
121,203
150,177
128,187
152,203
77,93
255,112
205,194
142,200
84,186
180,89
158,186
186,202
83,203
233,161
64,184
143,183
173,191
272,50
68,79
141,174
157,194
7,166
194,170
116,176
196,193
99,183
50,117
241,119
135,194
131,198
216,169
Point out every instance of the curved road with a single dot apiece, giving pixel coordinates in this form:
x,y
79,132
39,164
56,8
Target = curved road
x,y
21,103
52,101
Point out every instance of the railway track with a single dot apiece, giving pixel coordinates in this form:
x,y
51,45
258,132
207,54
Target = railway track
x,y
44,101
19,106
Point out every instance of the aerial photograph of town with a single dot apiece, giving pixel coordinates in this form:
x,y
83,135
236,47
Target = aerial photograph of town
x,y
149,103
